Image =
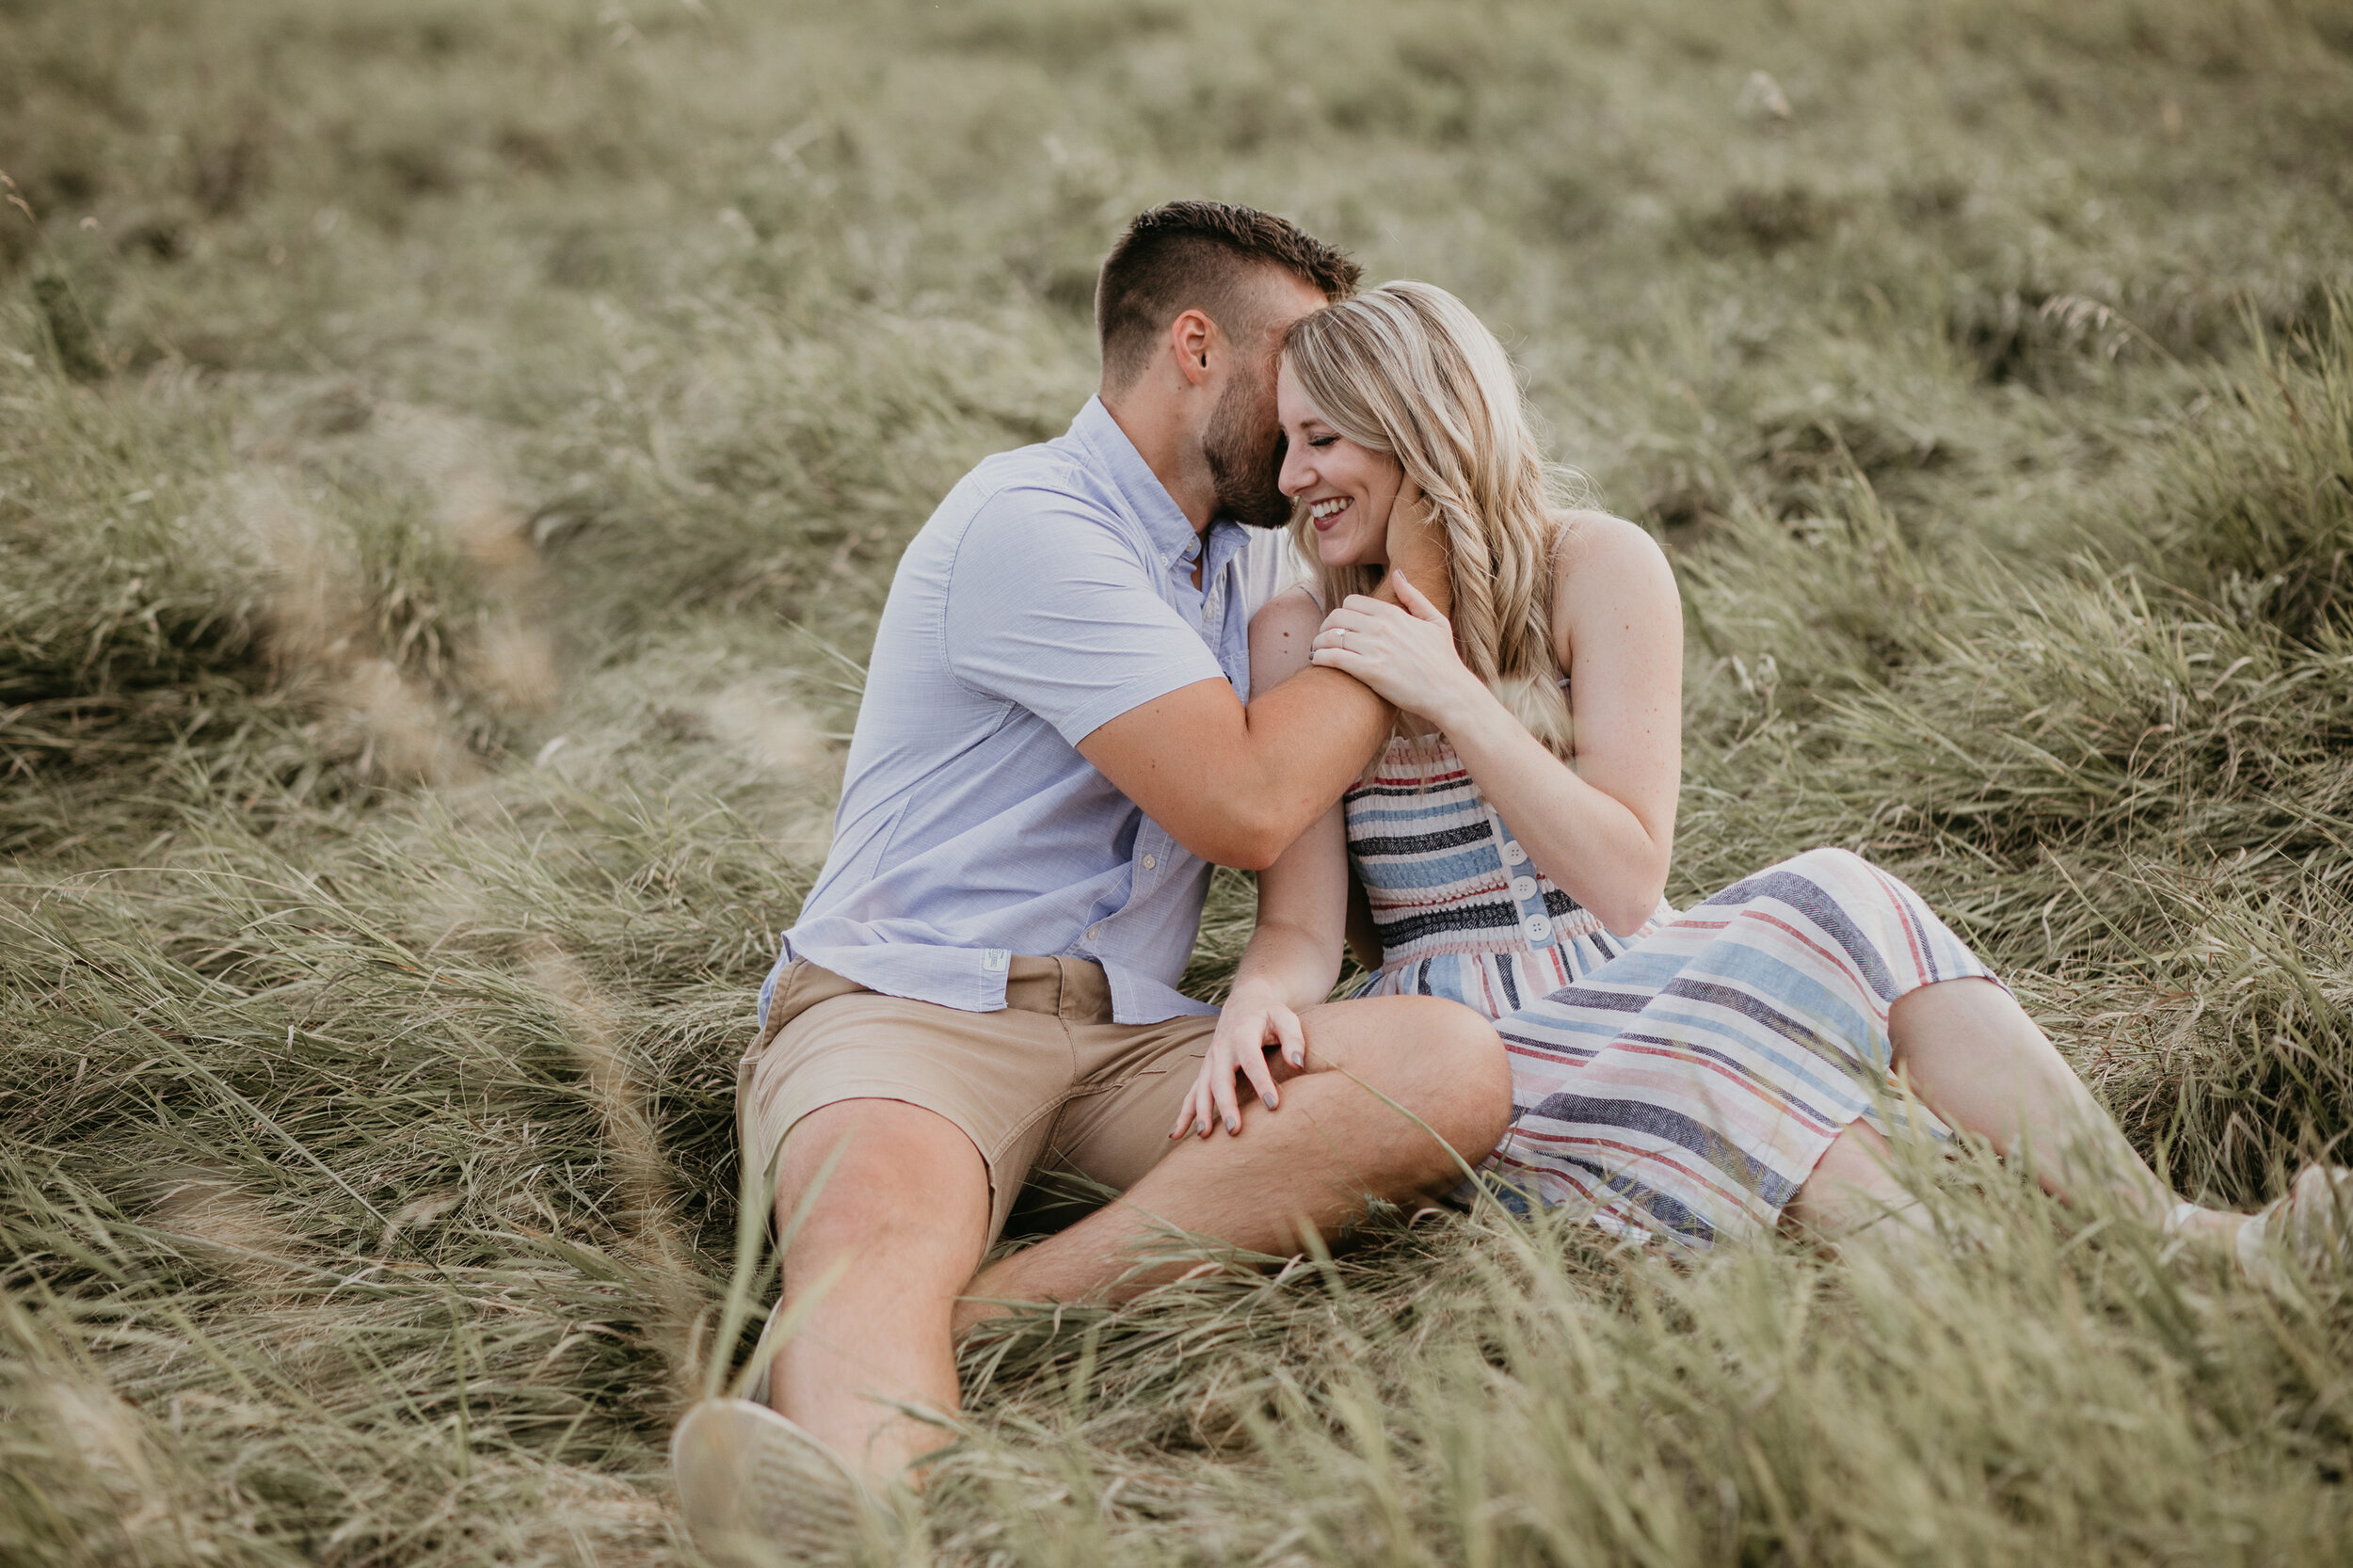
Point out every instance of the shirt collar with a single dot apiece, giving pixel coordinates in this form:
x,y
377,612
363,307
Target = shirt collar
x,y
1164,522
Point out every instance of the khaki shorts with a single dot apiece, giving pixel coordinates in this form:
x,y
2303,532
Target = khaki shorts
x,y
1049,1085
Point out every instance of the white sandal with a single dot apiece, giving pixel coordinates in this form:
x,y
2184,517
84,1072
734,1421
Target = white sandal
x,y
2307,1229
758,1491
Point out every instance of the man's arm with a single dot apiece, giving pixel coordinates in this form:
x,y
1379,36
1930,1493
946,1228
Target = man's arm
x,y
1236,785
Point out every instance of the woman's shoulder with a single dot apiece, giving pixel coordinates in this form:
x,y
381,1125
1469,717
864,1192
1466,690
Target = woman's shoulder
x,y
1586,537
1280,635
1605,566
1296,605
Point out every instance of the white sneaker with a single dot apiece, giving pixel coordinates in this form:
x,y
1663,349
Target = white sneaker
x,y
2310,1226
758,1491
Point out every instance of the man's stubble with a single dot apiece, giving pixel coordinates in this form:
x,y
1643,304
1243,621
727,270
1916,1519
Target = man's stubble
x,y
1244,448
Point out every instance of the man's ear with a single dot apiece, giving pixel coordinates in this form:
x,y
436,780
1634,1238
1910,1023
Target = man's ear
x,y
1195,339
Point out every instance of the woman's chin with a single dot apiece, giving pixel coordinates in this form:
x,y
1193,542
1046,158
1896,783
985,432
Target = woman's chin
x,y
1335,555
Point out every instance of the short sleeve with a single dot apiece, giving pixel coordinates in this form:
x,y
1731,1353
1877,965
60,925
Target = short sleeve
x,y
1051,607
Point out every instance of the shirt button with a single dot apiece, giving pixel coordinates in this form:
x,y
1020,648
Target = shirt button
x,y
1091,930
1150,861
1512,853
1538,927
1523,887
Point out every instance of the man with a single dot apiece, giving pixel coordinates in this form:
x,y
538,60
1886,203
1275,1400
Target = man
x,y
1052,746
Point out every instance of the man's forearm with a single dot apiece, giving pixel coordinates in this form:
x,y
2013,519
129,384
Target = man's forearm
x,y
1308,740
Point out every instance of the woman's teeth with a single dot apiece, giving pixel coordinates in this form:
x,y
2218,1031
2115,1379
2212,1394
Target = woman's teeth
x,y
1322,511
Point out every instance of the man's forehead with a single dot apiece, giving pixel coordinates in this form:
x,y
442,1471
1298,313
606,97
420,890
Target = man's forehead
x,y
1288,297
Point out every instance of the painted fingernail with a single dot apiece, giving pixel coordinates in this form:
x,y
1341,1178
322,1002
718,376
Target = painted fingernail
x,y
1233,1124
1269,1100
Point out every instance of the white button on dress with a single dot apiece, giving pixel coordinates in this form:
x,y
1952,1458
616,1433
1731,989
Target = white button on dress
x,y
1537,926
1512,853
1523,887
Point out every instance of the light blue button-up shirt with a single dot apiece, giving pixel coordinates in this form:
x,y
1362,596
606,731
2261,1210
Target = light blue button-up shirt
x,y
1051,592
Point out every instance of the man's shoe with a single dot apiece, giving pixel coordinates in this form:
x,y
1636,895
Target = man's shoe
x,y
2310,1227
758,1491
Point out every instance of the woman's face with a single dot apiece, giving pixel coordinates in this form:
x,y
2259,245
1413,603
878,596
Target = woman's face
x,y
1347,489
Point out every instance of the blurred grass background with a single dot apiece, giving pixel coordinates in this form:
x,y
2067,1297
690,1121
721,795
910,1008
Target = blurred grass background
x,y
452,456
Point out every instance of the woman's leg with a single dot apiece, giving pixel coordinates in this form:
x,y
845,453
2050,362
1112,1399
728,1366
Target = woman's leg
x,y
1975,1059
1854,1188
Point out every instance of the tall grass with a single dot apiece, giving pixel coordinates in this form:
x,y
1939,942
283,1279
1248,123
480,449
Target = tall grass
x,y
450,458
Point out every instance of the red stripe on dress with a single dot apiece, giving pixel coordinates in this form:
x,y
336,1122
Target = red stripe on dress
x,y
1695,1178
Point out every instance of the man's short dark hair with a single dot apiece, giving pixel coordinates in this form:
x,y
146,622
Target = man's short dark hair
x,y
1206,256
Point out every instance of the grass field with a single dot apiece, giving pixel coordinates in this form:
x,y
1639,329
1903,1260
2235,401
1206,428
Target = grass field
x,y
450,458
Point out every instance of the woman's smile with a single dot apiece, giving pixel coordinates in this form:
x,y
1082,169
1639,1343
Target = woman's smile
x,y
1346,487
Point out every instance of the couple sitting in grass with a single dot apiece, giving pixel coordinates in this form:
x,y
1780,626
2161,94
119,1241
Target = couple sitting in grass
x,y
1456,747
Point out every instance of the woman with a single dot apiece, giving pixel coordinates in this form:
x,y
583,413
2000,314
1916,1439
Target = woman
x,y
1700,1076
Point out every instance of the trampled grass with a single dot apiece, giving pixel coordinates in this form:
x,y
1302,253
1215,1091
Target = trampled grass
x,y
450,457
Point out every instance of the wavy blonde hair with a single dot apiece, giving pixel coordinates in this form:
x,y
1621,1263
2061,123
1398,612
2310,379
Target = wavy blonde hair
x,y
1408,370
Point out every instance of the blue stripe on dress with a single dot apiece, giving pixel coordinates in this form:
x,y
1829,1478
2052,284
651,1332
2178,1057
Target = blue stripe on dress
x,y
1682,1082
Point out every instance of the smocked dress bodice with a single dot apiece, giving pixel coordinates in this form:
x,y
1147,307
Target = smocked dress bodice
x,y
1461,910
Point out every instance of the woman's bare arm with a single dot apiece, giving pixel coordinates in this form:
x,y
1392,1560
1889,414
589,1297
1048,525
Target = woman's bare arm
x,y
1603,830
1294,953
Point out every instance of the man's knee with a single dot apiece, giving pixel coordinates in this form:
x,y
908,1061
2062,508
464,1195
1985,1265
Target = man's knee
x,y
881,1179
1480,1080
1450,1070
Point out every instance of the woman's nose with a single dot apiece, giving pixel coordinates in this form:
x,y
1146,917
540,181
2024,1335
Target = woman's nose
x,y
1296,475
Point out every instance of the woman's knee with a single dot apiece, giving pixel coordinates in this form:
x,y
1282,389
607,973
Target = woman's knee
x,y
1832,866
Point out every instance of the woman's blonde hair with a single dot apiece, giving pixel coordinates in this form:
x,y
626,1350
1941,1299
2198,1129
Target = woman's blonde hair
x,y
1407,370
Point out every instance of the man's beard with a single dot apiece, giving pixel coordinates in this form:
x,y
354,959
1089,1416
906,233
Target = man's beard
x,y
1244,447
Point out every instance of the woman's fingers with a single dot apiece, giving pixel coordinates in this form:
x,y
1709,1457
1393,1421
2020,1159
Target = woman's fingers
x,y
1341,628
1193,1109
1291,1037
1228,1106
1414,601
1200,1107
1261,1077
1368,610
1213,1101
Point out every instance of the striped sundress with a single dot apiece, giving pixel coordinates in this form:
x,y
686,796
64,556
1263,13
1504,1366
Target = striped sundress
x,y
1682,1080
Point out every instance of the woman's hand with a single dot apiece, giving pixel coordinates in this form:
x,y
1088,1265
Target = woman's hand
x,y
1252,1021
1404,651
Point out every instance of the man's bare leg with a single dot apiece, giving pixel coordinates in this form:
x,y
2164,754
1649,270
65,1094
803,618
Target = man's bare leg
x,y
891,1239
1332,1142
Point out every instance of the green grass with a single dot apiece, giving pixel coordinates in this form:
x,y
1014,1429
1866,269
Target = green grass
x,y
452,457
